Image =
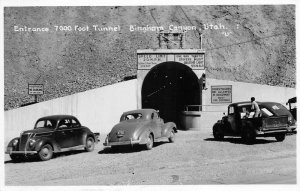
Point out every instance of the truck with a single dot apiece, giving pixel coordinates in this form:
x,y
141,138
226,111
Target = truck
x,y
274,120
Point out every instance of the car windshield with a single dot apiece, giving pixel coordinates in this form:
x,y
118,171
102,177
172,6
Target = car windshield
x,y
133,116
45,123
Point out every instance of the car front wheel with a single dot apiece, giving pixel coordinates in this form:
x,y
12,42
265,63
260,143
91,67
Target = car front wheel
x,y
218,132
172,136
46,152
280,137
90,144
149,143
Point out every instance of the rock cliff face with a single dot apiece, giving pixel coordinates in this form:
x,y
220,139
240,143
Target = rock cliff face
x,y
243,43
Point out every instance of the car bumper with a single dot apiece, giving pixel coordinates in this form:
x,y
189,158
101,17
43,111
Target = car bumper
x,y
10,151
273,131
294,129
97,137
131,142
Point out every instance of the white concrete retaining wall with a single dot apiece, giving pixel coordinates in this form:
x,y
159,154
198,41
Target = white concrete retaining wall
x,y
99,109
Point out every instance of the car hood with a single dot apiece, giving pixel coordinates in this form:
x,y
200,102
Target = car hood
x,y
131,129
38,131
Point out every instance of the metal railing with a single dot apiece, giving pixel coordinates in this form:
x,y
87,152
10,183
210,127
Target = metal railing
x,y
200,107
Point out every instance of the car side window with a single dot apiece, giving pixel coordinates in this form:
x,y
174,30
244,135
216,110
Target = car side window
x,y
152,115
64,123
75,123
40,124
49,124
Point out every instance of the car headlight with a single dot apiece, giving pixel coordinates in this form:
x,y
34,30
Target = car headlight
x,y
15,142
31,142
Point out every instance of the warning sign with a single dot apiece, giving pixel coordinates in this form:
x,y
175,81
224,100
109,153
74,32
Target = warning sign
x,y
221,94
35,89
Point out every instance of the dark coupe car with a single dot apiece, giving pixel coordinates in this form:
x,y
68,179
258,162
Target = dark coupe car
x,y
52,134
274,120
142,127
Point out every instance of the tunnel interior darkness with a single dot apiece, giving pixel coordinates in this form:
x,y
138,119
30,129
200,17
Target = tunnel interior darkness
x,y
168,87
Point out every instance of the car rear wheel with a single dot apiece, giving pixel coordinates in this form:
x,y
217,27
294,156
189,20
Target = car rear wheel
x,y
46,152
149,143
90,144
172,136
17,158
280,137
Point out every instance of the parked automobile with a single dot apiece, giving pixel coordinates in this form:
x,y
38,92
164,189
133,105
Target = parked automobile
x,y
275,121
140,127
52,134
293,106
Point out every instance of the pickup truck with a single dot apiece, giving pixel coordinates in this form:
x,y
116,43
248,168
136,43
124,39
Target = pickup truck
x,y
274,120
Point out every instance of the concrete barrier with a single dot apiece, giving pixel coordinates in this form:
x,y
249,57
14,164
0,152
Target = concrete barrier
x,y
190,120
99,109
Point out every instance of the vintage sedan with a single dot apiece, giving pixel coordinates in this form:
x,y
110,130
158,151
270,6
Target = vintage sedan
x,y
140,127
274,121
52,134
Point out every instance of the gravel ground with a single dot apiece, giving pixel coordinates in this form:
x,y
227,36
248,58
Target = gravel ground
x,y
194,158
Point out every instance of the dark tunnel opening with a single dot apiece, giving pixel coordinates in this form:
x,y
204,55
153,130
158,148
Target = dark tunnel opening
x,y
168,87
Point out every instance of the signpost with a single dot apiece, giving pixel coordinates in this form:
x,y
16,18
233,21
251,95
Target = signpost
x,y
221,94
35,89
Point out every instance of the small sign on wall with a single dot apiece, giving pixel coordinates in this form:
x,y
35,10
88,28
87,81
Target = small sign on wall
x,y
35,89
221,94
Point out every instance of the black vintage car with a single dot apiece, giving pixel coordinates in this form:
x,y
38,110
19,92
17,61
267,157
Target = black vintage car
x,y
275,120
52,134
293,106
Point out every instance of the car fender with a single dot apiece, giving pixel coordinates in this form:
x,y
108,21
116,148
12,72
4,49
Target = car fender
x,y
87,133
10,142
167,128
144,135
218,124
45,140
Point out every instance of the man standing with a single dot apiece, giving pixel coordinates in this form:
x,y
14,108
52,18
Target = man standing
x,y
254,107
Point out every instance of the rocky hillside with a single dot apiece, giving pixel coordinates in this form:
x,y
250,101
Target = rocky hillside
x,y
243,43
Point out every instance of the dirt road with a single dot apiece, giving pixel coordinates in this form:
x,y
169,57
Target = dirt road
x,y
194,158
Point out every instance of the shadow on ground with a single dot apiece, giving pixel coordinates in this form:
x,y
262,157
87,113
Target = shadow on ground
x,y
55,155
127,149
238,140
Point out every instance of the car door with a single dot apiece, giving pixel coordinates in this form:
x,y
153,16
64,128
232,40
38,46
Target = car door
x,y
158,124
64,134
78,132
232,119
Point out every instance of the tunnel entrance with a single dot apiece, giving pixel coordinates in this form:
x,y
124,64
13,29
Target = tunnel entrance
x,y
168,87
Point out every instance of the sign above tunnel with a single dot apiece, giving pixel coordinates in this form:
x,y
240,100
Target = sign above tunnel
x,y
193,58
